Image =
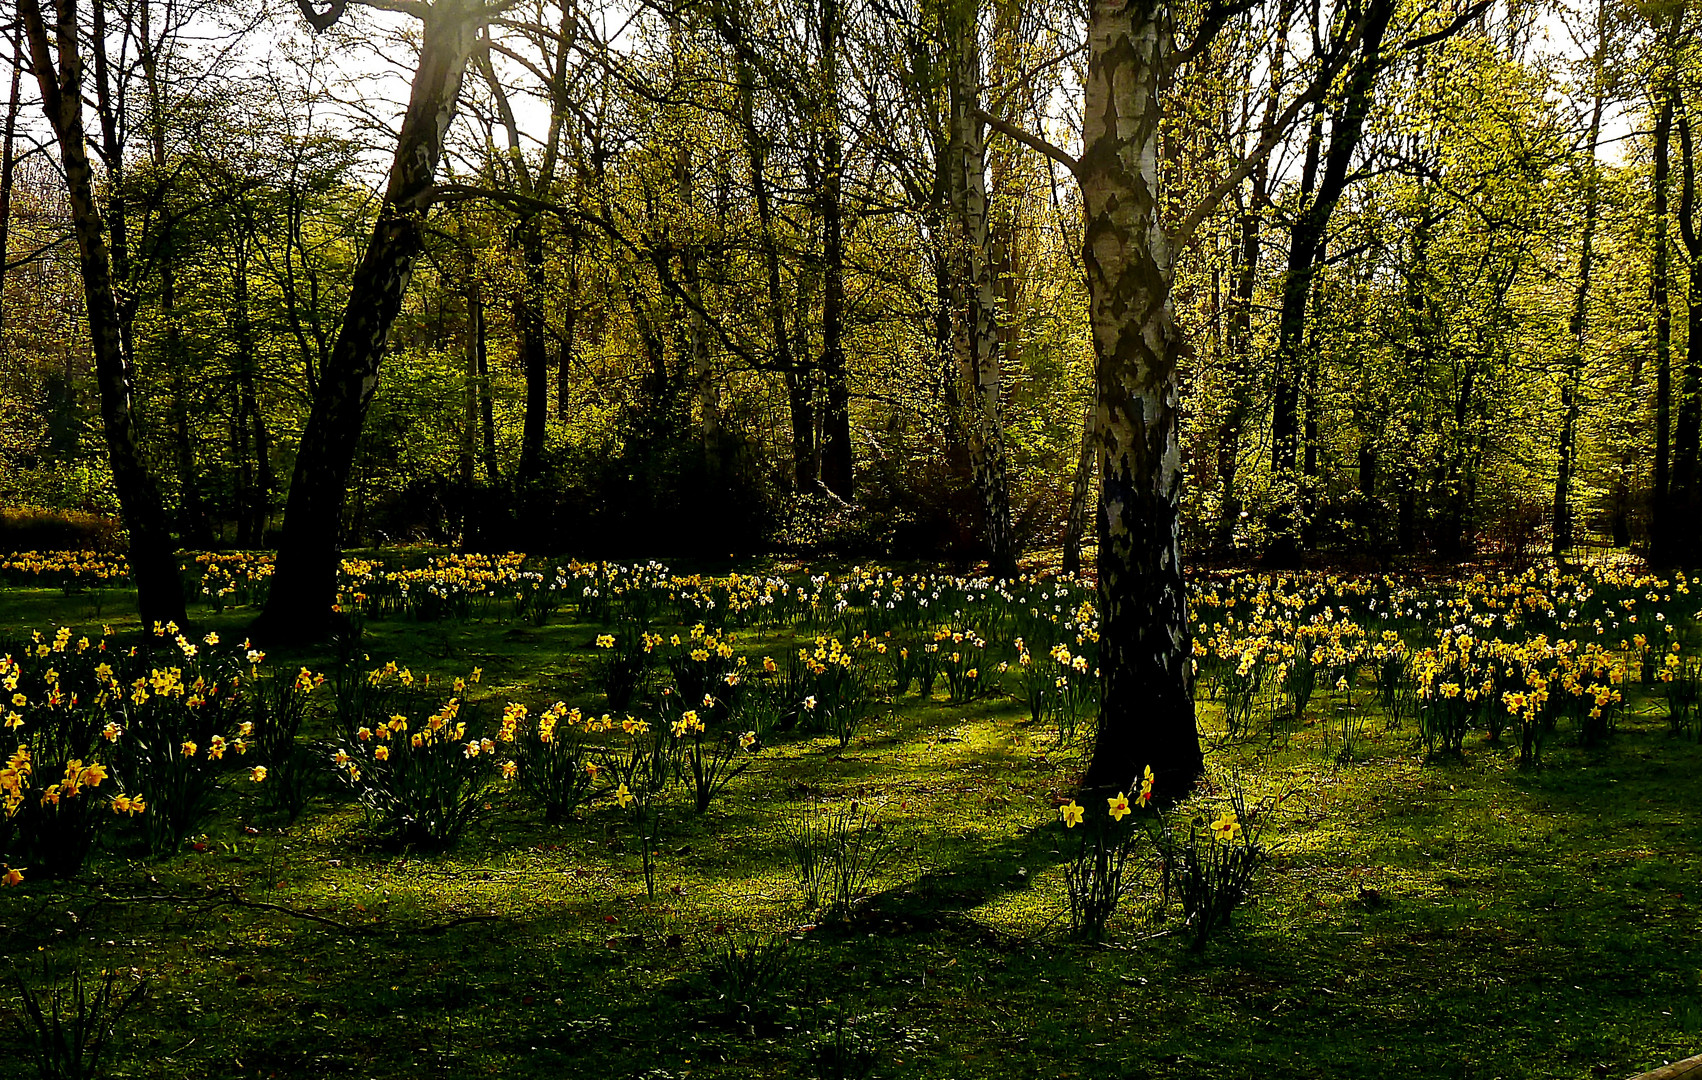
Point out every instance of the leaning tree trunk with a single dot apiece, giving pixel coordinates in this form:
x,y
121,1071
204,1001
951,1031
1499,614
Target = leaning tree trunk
x,y
305,584
977,337
153,560
1147,703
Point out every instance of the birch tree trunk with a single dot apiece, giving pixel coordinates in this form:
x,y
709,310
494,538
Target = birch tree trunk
x,y
305,584
977,336
58,63
1147,704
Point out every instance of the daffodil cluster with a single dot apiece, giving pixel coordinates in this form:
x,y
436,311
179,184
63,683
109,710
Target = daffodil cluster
x,y
103,736
422,780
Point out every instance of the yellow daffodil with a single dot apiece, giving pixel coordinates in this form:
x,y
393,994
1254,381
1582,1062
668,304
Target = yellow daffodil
x,y
1226,825
1072,814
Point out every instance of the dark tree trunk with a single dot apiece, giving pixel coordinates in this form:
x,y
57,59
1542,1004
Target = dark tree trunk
x,y
1660,538
1081,483
1577,337
467,456
1239,377
792,370
1305,251
487,407
534,354
254,475
153,561
700,363
1147,705
1685,501
837,459
305,583
1240,348
8,162
569,333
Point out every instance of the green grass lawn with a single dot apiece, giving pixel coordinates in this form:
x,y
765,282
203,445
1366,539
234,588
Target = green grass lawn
x,y
1451,919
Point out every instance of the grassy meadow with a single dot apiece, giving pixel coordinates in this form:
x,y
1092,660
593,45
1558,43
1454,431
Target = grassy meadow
x,y
1440,912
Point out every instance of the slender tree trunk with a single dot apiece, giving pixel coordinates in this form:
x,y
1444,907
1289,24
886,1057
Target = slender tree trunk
x,y
977,339
569,333
8,162
837,457
487,407
192,522
1147,704
1684,504
305,584
1240,375
1577,336
57,59
534,356
1081,484
697,329
256,475
1305,252
467,452
1660,539
1240,346
795,374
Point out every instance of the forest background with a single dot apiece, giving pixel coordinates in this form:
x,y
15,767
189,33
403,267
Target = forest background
x,y
696,280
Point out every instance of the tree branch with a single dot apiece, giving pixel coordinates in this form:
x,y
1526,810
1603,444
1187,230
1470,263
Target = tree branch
x,y
1030,140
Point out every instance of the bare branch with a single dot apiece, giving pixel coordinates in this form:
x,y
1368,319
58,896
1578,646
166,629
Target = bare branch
x,y
1030,140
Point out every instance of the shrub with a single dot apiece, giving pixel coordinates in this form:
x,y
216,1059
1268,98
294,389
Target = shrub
x,y
29,528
